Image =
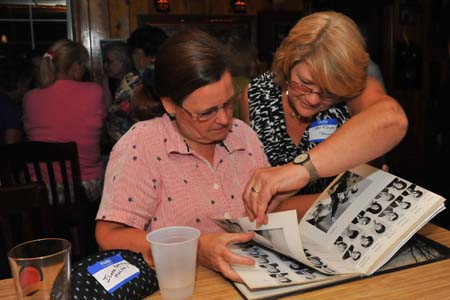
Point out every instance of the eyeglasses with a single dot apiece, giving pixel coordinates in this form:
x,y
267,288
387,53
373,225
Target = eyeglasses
x,y
211,112
299,89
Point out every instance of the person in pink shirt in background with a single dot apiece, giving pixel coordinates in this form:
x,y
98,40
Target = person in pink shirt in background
x,y
65,109
186,166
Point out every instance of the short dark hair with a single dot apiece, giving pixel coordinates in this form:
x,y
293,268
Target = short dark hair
x,y
188,61
148,38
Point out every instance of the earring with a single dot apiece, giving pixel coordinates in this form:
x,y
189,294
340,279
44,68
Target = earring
x,y
171,116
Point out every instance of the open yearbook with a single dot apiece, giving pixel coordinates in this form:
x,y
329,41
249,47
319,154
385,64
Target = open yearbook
x,y
353,229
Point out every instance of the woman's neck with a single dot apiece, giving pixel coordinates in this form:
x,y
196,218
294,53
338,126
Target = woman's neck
x,y
290,112
204,150
295,123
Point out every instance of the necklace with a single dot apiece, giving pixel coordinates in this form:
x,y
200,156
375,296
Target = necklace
x,y
296,115
301,118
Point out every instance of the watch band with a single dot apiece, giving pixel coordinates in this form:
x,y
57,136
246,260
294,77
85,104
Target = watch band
x,y
313,174
305,160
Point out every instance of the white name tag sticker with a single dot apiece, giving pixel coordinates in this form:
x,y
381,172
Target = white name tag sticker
x,y
322,129
113,272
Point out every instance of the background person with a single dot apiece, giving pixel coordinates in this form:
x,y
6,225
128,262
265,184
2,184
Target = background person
x,y
189,165
318,100
15,81
34,58
245,64
64,109
117,62
143,43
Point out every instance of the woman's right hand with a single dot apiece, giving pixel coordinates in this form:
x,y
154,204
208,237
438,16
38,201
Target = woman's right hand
x,y
266,183
213,252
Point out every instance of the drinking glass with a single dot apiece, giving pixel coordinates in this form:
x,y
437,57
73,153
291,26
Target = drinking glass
x,y
41,269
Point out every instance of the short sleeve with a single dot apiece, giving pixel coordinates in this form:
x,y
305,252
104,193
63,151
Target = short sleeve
x,y
131,191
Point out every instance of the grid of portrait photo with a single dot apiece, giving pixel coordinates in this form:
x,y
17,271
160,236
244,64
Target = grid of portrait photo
x,y
381,216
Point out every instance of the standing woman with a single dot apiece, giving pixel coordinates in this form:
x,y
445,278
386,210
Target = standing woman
x,y
64,109
116,64
317,101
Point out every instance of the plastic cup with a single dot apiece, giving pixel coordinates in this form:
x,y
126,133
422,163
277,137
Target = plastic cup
x,y
41,269
174,251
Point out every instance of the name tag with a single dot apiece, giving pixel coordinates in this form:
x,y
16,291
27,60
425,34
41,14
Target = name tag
x,y
322,129
113,272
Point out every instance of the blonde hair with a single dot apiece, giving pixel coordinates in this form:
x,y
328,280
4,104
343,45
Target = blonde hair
x,y
59,58
331,44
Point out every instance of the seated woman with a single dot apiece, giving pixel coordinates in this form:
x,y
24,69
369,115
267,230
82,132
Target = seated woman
x,y
64,109
186,166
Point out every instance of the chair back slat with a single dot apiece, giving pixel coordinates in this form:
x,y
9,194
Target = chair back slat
x,y
25,174
36,169
65,179
52,181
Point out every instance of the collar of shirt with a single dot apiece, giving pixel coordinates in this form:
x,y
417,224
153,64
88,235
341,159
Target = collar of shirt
x,y
175,142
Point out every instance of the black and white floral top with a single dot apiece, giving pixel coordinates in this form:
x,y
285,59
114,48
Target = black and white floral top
x,y
267,119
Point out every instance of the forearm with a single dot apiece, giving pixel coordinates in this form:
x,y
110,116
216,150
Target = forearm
x,y
366,136
300,203
111,235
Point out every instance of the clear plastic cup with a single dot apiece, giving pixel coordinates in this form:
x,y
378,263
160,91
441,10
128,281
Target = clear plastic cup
x,y
174,251
41,269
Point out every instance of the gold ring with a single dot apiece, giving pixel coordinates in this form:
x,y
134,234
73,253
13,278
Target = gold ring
x,y
253,190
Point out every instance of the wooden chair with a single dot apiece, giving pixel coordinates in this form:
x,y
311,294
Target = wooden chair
x,y
20,162
70,214
25,215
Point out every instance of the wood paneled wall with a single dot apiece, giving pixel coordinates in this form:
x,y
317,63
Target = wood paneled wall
x,y
95,20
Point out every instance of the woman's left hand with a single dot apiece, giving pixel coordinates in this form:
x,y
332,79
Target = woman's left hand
x,y
213,252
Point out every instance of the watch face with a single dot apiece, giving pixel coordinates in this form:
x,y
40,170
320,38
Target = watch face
x,y
301,158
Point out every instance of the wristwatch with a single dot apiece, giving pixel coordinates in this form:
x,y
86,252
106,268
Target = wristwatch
x,y
304,160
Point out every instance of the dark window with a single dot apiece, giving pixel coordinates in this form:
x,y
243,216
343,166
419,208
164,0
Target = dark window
x,y
27,25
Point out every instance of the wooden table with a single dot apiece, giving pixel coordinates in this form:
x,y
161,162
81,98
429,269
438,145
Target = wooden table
x,y
431,281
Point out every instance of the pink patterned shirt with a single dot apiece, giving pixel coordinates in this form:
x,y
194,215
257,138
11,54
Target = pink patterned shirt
x,y
154,180
67,111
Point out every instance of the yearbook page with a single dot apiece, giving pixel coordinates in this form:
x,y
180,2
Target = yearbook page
x,y
355,226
